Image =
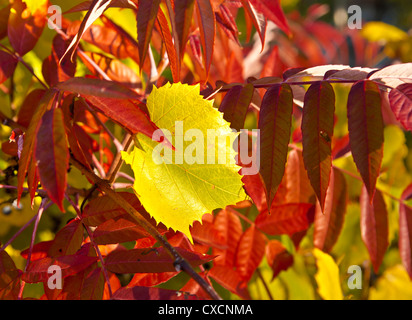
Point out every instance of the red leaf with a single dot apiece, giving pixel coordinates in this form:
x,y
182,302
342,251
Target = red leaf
x,y
68,240
183,19
193,287
286,219
258,20
150,279
52,162
279,259
103,208
253,185
26,111
174,59
9,277
374,226
115,101
4,18
101,212
97,7
149,260
317,132
146,16
297,182
53,71
39,250
329,223
275,120
227,22
38,269
120,229
405,230
25,28
145,293
206,20
8,64
229,228
400,99
250,252
273,11
235,105
230,279
205,233
365,126
30,139
85,285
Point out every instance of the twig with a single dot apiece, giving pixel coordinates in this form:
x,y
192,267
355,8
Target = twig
x,y
179,262
259,274
43,206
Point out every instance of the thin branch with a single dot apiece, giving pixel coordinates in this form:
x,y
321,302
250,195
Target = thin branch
x,y
96,247
260,276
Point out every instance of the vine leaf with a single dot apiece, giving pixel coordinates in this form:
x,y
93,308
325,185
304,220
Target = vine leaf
x,y
365,124
177,192
317,132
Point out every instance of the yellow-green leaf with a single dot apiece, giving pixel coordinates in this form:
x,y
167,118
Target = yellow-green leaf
x,y
186,184
327,276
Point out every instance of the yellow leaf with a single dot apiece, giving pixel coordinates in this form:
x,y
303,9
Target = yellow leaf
x,y
175,187
327,276
394,284
380,31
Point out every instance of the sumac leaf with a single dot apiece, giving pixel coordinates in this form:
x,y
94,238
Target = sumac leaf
x,y
25,28
37,270
149,260
250,252
146,16
286,219
365,126
183,19
317,132
278,258
329,223
115,101
258,20
228,226
374,226
52,162
273,11
275,121
68,240
30,139
145,293
235,105
9,277
206,18
400,99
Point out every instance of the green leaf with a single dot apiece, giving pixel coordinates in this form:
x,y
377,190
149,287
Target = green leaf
x,y
176,192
